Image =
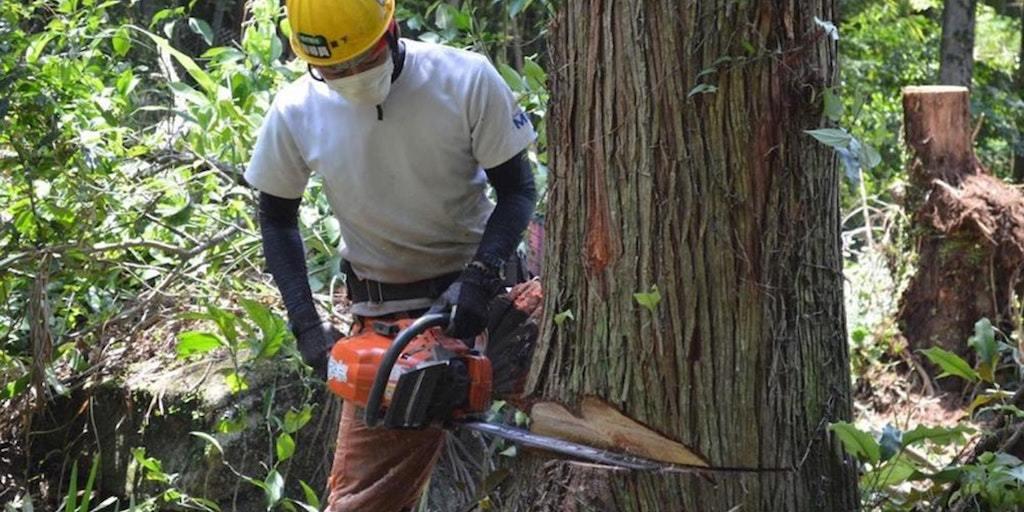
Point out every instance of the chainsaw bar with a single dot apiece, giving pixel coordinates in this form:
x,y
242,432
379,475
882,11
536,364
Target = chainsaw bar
x,y
529,439
589,453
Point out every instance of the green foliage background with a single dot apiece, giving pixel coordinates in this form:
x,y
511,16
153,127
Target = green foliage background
x,y
123,133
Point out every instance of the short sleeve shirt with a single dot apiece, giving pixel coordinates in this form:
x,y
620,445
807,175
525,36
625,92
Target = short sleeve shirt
x,y
408,189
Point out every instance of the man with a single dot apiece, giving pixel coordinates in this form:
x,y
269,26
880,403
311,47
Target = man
x,y
405,136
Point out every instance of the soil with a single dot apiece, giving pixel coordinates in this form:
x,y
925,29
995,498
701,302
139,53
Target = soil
x,y
895,395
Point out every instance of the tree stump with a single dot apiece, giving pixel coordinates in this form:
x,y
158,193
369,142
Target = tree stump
x,y
969,227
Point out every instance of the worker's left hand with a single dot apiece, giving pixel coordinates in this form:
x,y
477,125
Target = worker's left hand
x,y
470,295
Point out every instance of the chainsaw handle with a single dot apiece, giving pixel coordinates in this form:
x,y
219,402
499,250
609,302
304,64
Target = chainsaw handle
x,y
403,339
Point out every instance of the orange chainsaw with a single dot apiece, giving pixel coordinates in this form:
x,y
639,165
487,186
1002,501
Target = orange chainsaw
x,y
411,372
406,374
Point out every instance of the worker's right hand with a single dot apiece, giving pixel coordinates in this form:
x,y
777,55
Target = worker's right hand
x,y
470,298
315,343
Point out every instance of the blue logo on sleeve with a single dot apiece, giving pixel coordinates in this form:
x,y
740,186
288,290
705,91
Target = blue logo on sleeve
x,y
520,120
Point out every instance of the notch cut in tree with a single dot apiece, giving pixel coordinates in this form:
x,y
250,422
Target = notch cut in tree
x,y
602,426
969,225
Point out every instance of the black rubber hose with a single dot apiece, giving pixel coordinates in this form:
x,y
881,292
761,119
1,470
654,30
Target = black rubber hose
x,y
403,339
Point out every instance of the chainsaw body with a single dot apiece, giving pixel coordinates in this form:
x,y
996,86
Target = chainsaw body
x,y
406,374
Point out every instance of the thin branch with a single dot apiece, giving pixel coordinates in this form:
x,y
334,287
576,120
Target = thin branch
x,y
60,250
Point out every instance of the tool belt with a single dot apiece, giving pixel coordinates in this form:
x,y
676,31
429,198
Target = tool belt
x,y
368,290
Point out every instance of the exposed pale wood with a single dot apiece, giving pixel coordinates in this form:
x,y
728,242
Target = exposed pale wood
x,y
938,130
601,425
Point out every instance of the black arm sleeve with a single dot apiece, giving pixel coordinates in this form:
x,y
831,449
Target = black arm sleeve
x,y
286,258
516,194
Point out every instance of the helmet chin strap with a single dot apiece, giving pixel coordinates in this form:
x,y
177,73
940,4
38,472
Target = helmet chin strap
x,y
397,49
316,76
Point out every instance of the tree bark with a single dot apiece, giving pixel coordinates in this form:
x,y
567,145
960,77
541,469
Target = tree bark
x,y
957,48
715,196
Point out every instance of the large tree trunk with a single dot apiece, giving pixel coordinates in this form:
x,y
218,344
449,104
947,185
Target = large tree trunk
x,y
957,50
719,199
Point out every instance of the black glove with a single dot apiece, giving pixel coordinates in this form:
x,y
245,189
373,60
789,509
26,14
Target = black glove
x,y
470,295
315,343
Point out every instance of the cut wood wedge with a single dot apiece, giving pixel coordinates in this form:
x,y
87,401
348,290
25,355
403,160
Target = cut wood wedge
x,y
601,425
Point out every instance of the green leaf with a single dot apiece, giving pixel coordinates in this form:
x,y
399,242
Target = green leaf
x,y
212,441
832,137
230,425
305,507
68,6
512,78
987,398
15,388
274,488
225,322
858,443
833,104
202,28
154,469
516,6
311,496
870,155
984,343
273,328
87,492
945,476
535,75
236,383
36,47
185,61
295,420
285,447
951,364
121,41
522,419
560,318
71,503
126,82
191,343
702,89
939,435
893,472
1007,409
649,300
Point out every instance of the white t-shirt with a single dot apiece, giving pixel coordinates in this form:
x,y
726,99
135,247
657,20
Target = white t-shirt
x,y
408,190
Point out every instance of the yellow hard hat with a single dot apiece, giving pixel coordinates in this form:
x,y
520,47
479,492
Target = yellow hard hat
x,y
327,32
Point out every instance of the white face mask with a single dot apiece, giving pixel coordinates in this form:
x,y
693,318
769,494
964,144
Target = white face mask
x,y
371,87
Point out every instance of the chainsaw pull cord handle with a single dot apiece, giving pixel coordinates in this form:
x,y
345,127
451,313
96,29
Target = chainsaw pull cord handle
x,y
380,381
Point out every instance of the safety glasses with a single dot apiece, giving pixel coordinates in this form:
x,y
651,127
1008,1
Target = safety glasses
x,y
362,62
